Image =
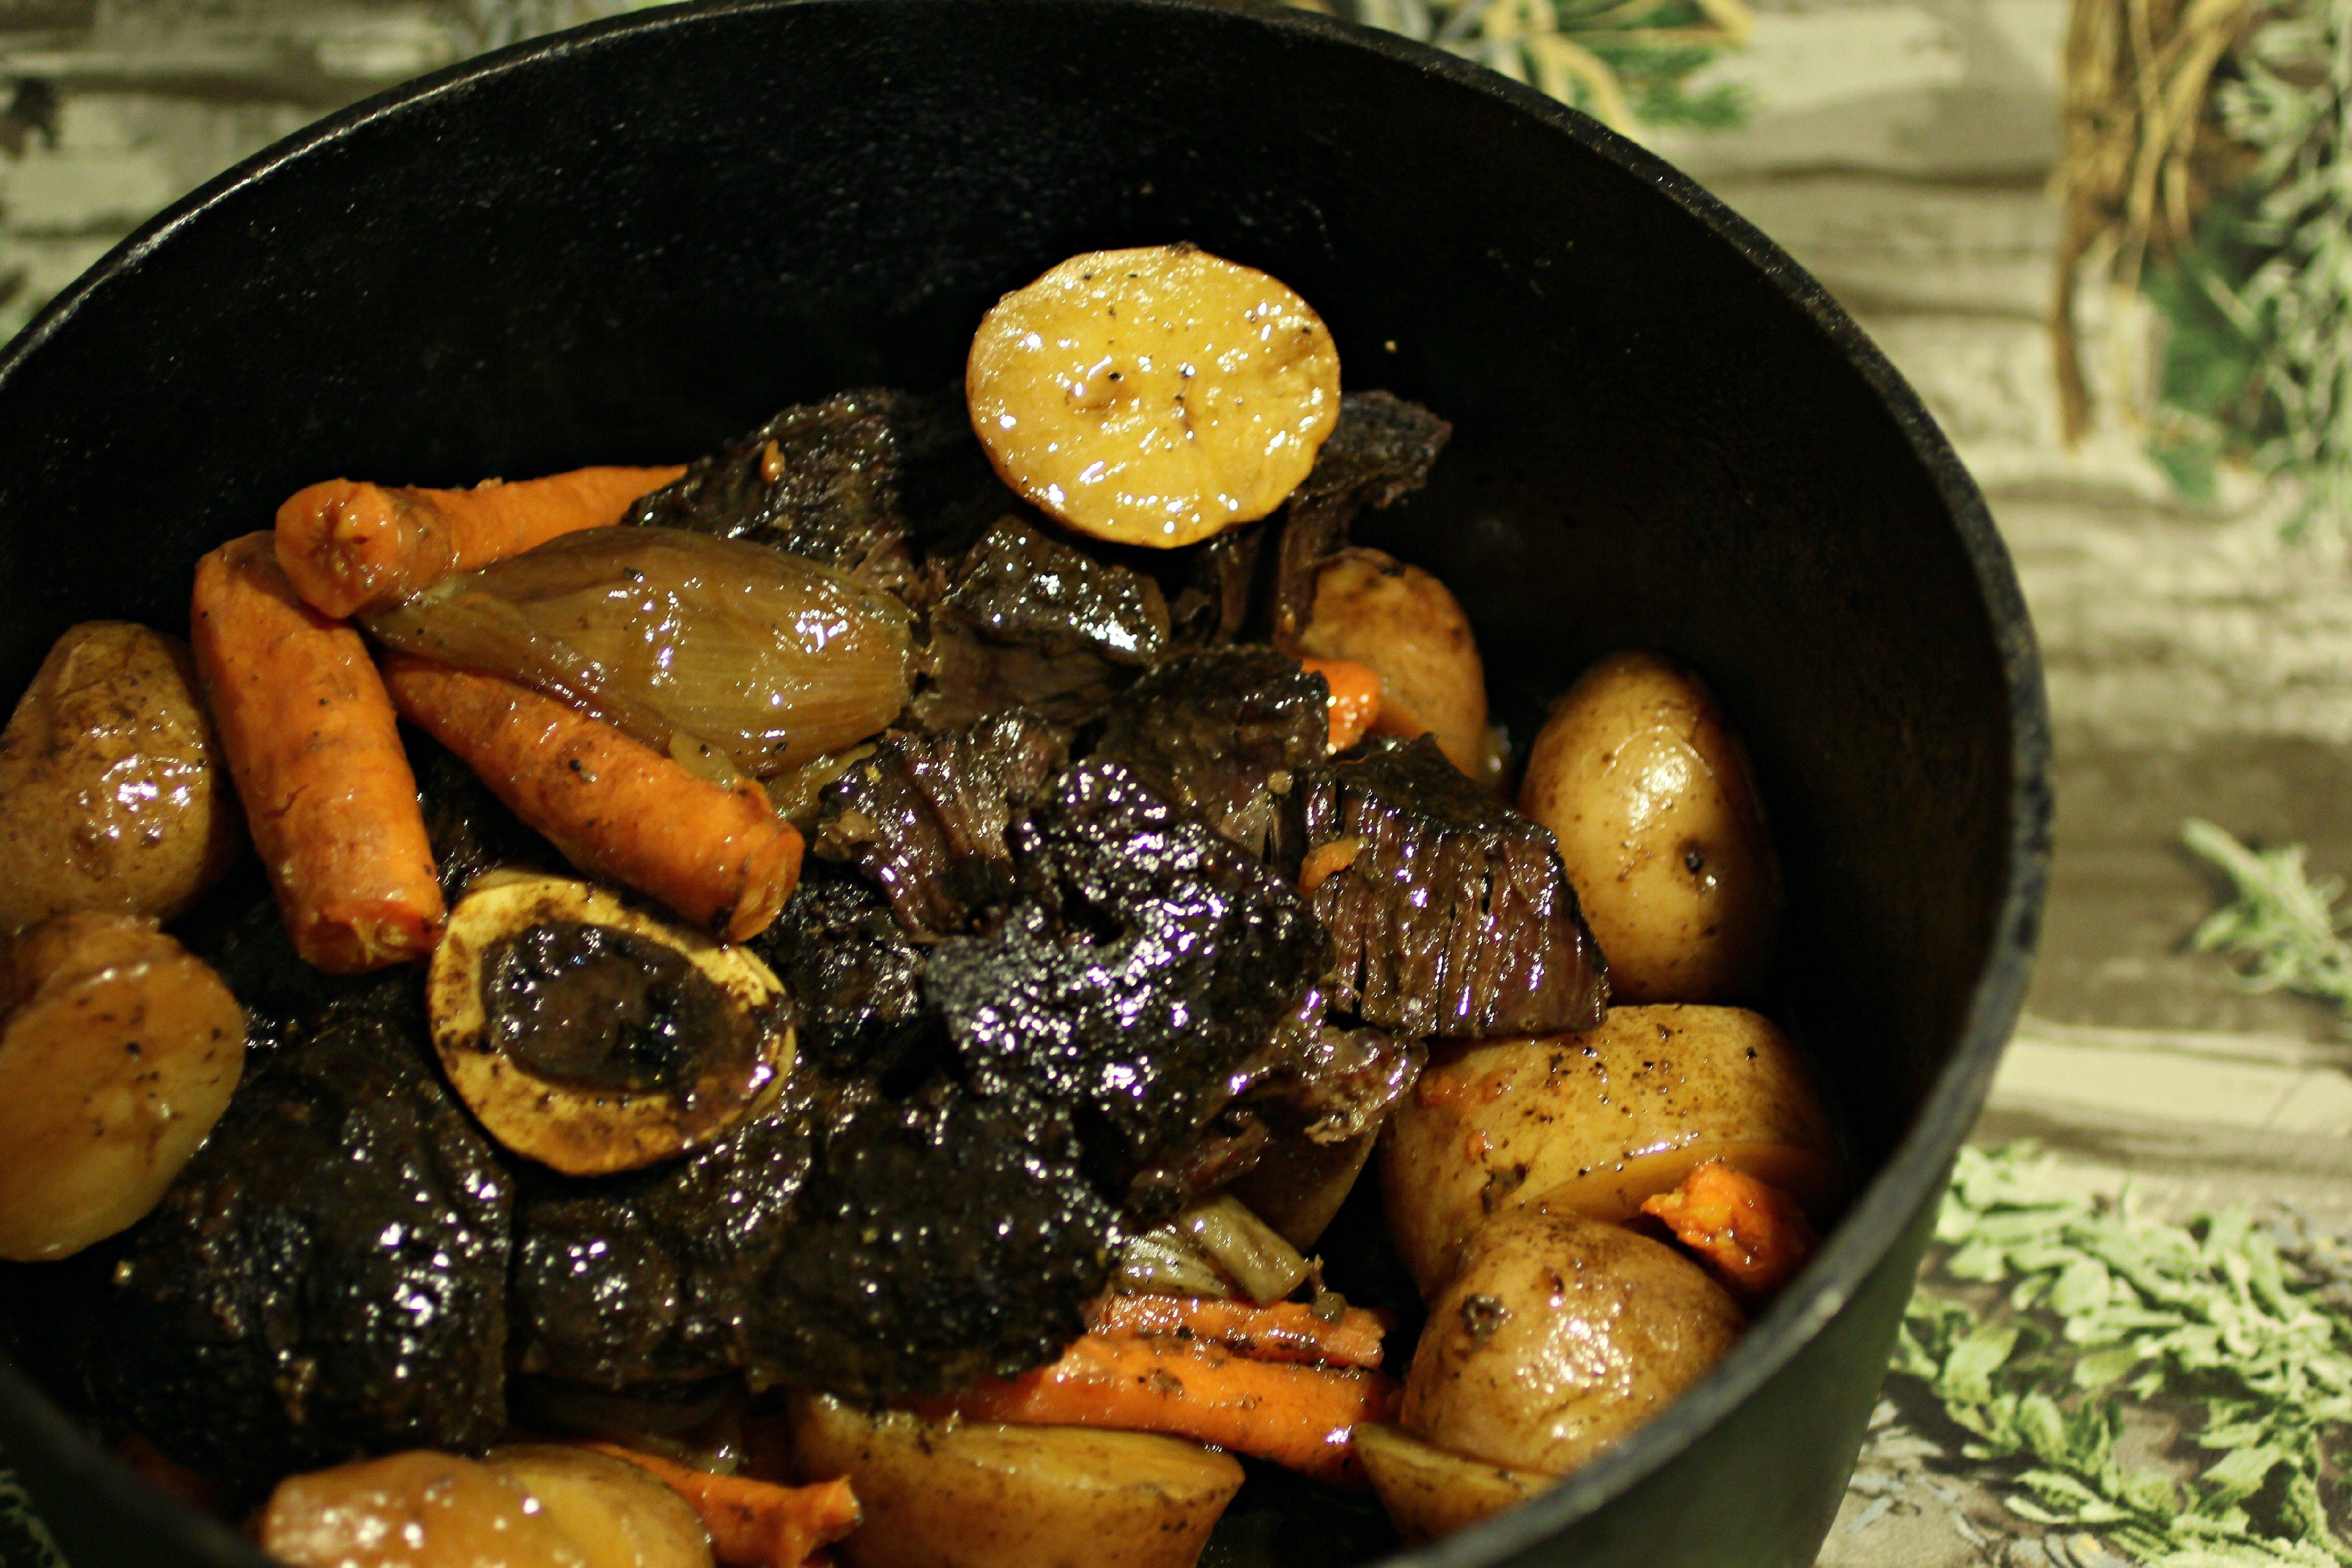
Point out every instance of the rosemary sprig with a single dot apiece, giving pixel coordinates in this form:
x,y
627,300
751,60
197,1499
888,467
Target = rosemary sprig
x,y
2103,1303
2281,923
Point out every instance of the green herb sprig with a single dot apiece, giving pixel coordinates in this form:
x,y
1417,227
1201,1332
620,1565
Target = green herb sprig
x,y
2281,922
2104,1303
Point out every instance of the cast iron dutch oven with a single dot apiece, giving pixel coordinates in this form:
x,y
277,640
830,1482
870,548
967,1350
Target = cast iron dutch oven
x,y
626,243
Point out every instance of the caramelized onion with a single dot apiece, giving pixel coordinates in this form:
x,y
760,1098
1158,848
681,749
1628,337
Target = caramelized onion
x,y
685,642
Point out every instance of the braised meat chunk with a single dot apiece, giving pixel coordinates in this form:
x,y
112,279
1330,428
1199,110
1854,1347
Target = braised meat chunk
x,y
939,1241
925,817
845,482
1151,963
1380,451
1021,617
855,980
1222,733
1452,915
327,1279
643,1278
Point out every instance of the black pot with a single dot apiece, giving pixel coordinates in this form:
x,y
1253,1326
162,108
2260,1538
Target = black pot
x,y
624,243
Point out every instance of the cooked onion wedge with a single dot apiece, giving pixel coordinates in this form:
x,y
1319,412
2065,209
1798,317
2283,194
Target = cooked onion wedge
x,y
1153,396
592,1037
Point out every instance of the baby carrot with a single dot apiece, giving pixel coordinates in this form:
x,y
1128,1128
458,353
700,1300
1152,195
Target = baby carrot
x,y
1355,696
1285,1331
755,1524
1298,1417
315,753
719,856
348,546
1748,1232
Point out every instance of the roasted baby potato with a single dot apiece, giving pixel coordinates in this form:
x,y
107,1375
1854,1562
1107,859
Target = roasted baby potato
x,y
1405,624
616,1513
1597,1122
1559,1335
112,794
117,1054
1661,831
975,1495
417,1509
1154,397
1429,1492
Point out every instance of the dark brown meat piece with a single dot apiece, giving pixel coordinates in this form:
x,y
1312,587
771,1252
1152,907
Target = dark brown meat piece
x,y
1381,449
846,482
1454,919
925,816
327,1279
855,979
1212,609
938,1241
470,829
1151,961
1024,618
648,1276
1223,734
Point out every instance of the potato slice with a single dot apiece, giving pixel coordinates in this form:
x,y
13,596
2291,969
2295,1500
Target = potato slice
x,y
618,1514
1597,1121
976,1495
417,1509
1429,1492
119,1053
1153,396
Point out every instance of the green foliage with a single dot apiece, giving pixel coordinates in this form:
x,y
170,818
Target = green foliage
x,y
2281,924
2082,1304
2259,364
1627,63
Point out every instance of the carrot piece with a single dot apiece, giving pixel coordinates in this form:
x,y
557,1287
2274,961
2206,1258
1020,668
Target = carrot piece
x,y
616,808
1285,1331
1355,696
1325,862
1751,1236
1299,1417
348,546
315,752
755,1524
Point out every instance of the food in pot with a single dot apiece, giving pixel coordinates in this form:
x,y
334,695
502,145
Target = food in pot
x,y
113,797
854,1017
1649,797
1153,396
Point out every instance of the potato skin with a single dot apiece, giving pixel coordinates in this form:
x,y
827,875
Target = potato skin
x,y
112,796
1405,624
1428,1492
1597,1121
416,1509
1560,1335
616,1513
118,1053
978,1495
1661,832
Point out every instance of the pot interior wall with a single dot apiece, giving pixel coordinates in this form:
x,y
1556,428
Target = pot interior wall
x,y
628,254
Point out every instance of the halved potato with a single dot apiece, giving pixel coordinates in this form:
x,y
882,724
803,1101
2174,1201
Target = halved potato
x,y
1153,396
977,1495
1597,1122
417,1509
1429,1492
616,1513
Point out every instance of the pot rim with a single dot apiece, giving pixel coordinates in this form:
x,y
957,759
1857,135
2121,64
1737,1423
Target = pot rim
x,y
1914,1173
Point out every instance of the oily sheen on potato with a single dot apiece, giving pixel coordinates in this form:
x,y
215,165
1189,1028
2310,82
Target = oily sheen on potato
x,y
1428,1492
977,1495
1597,1122
1660,830
1559,1335
1153,396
